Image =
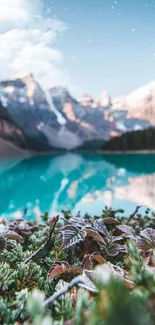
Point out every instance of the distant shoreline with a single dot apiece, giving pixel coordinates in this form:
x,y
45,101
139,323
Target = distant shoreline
x,y
127,152
9,150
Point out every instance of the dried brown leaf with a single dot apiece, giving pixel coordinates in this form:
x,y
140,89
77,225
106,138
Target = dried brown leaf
x,y
88,262
110,221
95,235
63,268
100,259
58,269
75,270
13,235
129,283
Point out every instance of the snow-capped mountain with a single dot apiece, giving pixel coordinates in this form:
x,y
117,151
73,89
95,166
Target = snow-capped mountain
x,y
36,120
25,106
34,117
140,104
137,99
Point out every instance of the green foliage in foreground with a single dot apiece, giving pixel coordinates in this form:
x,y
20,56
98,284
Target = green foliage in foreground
x,y
76,271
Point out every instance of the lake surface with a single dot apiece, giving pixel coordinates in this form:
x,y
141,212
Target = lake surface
x,y
76,182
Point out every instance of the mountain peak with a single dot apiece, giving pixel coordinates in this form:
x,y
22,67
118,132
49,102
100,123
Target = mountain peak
x,y
105,99
26,89
59,93
22,76
87,100
139,98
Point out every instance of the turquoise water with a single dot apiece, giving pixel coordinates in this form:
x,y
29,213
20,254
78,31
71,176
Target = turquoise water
x,y
78,182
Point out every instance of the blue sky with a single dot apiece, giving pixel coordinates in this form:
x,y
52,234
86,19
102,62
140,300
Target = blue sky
x,y
87,45
109,44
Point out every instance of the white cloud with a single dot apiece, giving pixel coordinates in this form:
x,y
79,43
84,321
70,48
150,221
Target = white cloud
x,y
13,10
26,42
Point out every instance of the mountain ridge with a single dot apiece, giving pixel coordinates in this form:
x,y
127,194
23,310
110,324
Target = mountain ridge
x,y
41,121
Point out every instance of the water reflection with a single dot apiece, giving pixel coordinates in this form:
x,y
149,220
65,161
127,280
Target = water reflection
x,y
77,182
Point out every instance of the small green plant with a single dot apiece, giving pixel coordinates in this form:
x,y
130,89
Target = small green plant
x,y
69,270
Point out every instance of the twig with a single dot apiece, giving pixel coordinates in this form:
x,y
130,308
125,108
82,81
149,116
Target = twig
x,y
46,247
134,213
68,287
140,221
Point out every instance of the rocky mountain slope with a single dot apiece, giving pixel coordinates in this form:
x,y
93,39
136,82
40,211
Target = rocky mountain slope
x,y
34,120
30,118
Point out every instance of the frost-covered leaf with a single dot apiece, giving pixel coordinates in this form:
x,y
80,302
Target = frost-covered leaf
x,y
77,221
127,230
116,239
128,236
118,270
110,221
143,244
100,227
148,234
95,235
108,270
8,234
114,249
71,235
88,284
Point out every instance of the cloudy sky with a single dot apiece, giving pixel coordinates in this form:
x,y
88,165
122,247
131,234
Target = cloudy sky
x,y
88,45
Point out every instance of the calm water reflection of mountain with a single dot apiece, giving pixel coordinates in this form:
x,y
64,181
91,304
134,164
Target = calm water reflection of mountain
x,y
77,182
